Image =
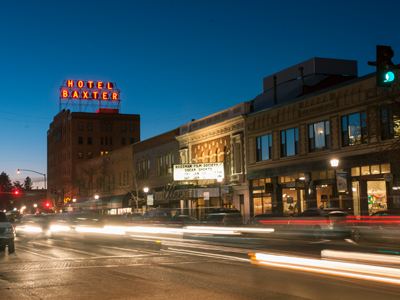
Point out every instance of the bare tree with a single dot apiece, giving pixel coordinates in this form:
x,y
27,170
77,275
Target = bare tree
x,y
91,179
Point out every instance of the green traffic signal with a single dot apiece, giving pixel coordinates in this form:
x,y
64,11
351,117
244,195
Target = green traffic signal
x,y
389,76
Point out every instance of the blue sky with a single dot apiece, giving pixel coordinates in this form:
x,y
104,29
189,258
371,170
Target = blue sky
x,y
172,60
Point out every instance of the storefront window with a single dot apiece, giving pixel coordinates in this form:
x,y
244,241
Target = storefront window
x,y
385,168
377,199
375,169
255,182
314,175
365,170
257,206
289,200
267,206
355,171
324,194
261,182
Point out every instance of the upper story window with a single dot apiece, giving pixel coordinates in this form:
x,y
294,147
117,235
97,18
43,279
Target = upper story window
x,y
319,136
132,140
110,127
89,126
390,123
89,140
264,147
80,126
123,127
101,126
80,140
123,141
106,127
289,142
354,129
132,127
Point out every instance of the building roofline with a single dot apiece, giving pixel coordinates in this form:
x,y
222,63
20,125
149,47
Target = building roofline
x,y
333,87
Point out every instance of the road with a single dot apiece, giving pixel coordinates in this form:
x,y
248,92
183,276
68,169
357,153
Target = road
x,y
186,269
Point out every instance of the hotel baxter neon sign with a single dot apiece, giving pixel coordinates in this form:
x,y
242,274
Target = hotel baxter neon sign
x,y
89,90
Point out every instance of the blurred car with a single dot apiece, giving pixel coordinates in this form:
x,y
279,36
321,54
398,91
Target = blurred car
x,y
183,220
314,222
35,226
6,234
157,216
382,226
223,217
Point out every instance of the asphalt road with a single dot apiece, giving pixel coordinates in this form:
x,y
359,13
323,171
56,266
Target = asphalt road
x,y
186,269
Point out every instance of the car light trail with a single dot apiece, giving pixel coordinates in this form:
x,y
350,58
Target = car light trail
x,y
358,271
29,229
105,230
57,228
345,255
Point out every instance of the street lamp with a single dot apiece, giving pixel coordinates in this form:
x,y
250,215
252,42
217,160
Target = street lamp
x,y
146,190
35,205
219,179
74,200
45,185
96,197
334,164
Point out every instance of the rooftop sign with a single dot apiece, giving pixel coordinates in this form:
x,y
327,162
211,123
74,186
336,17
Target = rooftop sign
x,y
89,90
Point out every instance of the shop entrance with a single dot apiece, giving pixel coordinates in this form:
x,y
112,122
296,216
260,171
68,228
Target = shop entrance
x,y
377,197
289,199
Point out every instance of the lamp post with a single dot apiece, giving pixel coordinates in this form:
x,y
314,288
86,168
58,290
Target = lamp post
x,y
146,190
219,179
45,185
334,164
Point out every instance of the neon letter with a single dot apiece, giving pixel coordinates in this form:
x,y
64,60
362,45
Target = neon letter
x,y
75,94
90,84
114,96
85,95
100,85
64,93
70,83
104,95
110,85
80,84
95,95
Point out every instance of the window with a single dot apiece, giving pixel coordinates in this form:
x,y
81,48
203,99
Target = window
x,y
289,142
89,154
89,140
101,126
172,159
80,140
132,140
148,164
132,128
89,126
166,164
123,127
106,127
110,127
101,152
123,141
106,141
110,140
80,155
264,147
101,141
160,164
390,123
318,136
80,126
354,129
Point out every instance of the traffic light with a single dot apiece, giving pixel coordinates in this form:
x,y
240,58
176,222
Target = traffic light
x,y
16,192
384,67
47,204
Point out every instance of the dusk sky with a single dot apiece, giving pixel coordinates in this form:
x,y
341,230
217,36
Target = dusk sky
x,y
172,60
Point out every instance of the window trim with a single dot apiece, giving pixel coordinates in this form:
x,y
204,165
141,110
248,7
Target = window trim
x,y
284,142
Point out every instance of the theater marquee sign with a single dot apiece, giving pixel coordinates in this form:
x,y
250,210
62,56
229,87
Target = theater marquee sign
x,y
199,171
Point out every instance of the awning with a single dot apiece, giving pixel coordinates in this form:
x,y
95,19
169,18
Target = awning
x,y
116,201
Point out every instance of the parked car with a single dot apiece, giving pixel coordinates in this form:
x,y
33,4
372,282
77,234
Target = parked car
x,y
6,234
14,217
382,226
223,217
157,216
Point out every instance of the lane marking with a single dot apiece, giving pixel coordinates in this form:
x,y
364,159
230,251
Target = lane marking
x,y
45,256
66,249
207,254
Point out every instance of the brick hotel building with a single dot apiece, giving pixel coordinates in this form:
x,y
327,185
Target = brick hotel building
x,y
74,137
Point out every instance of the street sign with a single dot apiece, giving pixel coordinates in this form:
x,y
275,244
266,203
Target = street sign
x,y
206,195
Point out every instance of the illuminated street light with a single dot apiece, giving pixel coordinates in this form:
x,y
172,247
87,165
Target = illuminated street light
x,y
74,200
34,205
96,197
146,189
334,162
19,171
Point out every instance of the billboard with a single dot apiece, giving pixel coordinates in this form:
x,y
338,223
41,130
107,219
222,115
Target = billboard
x,y
199,171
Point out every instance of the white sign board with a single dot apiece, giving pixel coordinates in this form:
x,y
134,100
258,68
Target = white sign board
x,y
150,200
199,171
206,195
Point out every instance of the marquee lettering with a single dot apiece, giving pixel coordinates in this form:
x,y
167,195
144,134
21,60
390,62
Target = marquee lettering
x,y
80,84
89,90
